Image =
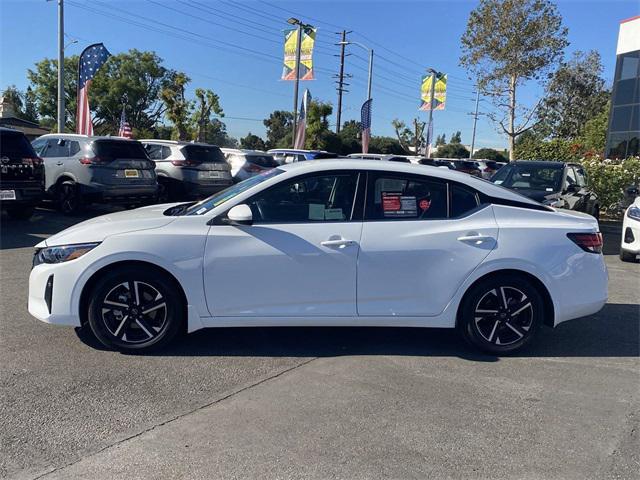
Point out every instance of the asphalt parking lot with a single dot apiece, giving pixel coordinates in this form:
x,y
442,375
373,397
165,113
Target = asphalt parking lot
x,y
317,403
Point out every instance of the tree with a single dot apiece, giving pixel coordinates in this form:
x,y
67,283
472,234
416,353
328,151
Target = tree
x,y
134,79
456,137
178,107
279,125
207,102
452,150
386,145
490,154
44,85
216,134
594,133
318,124
22,103
13,97
252,142
350,137
507,43
410,140
441,140
30,110
575,94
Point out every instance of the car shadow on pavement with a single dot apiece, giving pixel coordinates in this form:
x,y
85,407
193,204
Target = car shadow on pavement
x,y
613,332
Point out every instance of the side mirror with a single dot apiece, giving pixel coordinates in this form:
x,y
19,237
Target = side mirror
x,y
573,188
240,215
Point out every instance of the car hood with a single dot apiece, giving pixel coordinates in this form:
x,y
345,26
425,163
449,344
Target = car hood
x,y
99,228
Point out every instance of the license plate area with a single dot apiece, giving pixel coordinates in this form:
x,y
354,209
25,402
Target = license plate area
x,y
210,174
7,194
131,173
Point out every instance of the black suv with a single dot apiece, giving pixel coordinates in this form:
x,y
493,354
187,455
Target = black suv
x,y
557,184
21,175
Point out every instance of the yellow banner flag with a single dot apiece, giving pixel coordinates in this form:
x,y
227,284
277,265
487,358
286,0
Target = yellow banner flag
x,y
440,93
306,54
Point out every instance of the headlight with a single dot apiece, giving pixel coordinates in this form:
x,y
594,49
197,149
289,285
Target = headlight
x,y
62,253
634,212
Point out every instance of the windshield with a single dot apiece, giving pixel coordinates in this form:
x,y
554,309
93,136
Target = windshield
x,y
529,177
219,198
112,149
203,154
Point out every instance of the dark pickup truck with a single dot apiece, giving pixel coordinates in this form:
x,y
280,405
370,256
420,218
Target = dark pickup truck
x,y
21,175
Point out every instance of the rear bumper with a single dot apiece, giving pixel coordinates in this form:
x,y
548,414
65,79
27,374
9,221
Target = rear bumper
x,y
98,192
29,194
200,190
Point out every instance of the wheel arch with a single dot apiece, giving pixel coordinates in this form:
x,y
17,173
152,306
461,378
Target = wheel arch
x,y
549,309
91,282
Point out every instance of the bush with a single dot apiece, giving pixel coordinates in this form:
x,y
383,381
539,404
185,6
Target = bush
x,y
610,178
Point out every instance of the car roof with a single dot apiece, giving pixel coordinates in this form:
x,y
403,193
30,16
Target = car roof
x,y
178,143
294,150
479,184
76,136
541,163
245,151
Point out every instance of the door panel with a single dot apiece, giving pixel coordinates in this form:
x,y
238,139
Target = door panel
x,y
282,269
414,267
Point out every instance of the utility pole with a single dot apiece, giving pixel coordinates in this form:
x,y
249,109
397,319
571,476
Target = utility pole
x,y
297,81
430,127
475,120
61,110
341,84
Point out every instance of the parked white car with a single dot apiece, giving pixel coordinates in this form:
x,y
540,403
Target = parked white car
x,y
630,245
247,163
380,156
327,243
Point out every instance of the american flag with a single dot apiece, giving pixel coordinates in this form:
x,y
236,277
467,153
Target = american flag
x,y
125,128
302,121
365,125
91,59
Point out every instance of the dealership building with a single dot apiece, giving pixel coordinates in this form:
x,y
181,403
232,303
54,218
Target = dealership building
x,y
623,135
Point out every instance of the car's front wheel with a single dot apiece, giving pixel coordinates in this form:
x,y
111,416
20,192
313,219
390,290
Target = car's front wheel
x,y
501,314
135,309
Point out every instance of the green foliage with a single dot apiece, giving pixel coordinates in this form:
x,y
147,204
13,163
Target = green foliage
x,y
441,140
350,137
178,107
490,154
410,140
556,149
452,150
22,103
216,134
207,103
507,43
609,179
252,142
387,145
44,84
317,131
594,133
575,94
456,137
279,125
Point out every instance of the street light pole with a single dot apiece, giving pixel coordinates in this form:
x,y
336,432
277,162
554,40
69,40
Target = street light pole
x,y
370,73
297,81
430,127
61,110
475,120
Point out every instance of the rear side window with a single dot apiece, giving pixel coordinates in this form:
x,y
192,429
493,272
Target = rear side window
x,y
74,147
112,149
463,200
15,145
203,153
266,161
406,198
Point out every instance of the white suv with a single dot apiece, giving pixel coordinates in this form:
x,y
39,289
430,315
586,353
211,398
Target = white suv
x,y
247,163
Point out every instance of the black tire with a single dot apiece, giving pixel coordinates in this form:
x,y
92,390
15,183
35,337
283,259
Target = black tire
x,y
627,256
484,318
164,191
596,212
68,197
118,319
24,212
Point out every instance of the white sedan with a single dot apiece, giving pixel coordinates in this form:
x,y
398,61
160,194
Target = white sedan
x,y
630,246
327,243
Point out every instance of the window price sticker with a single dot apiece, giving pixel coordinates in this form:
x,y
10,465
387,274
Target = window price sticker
x,y
395,205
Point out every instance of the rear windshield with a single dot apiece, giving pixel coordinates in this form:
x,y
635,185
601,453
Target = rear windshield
x,y
321,155
466,164
15,145
203,153
266,161
111,149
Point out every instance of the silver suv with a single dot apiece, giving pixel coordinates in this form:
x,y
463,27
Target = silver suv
x,y
81,169
247,163
188,170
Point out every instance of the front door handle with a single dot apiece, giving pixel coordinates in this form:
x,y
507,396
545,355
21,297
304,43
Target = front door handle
x,y
59,163
340,243
475,238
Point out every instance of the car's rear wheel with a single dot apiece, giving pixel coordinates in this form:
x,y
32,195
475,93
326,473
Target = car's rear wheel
x,y
68,197
501,314
135,309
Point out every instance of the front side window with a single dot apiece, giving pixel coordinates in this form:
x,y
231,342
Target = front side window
x,y
571,177
406,198
580,176
318,198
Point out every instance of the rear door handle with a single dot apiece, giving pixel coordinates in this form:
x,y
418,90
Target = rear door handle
x,y
342,242
476,238
59,163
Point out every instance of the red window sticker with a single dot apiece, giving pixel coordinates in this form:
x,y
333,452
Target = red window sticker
x,y
425,204
390,202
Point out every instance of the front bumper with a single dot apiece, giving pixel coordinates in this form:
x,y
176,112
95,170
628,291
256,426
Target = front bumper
x,y
630,236
46,302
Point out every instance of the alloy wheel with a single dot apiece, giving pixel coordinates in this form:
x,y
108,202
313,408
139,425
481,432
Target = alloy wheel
x,y
134,312
68,198
504,315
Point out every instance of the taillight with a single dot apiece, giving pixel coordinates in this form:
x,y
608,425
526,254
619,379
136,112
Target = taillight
x,y
92,160
589,242
184,163
252,167
33,161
